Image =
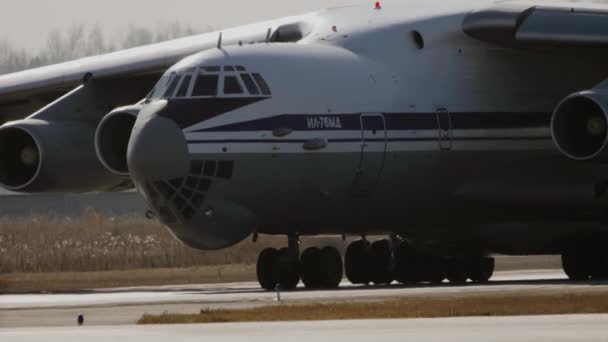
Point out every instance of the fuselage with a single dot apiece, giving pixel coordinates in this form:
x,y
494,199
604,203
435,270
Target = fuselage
x,y
384,120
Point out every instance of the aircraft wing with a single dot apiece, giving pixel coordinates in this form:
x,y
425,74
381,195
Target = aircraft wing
x,y
527,23
120,78
24,93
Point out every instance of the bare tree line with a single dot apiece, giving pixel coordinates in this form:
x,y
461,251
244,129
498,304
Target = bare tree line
x,y
82,41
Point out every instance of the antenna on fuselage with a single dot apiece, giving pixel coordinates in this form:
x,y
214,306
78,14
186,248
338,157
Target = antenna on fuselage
x,y
219,41
268,35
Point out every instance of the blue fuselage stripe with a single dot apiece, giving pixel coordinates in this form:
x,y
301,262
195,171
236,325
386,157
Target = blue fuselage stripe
x,y
392,121
293,141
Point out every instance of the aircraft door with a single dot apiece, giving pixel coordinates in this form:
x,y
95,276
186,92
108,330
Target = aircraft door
x,y
444,126
373,153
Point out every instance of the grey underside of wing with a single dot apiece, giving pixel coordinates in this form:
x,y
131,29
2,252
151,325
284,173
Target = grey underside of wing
x,y
523,24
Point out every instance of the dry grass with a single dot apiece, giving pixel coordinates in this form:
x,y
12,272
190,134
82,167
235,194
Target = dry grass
x,y
50,253
70,281
93,242
494,304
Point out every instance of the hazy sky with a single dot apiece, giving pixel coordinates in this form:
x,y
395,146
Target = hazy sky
x,y
26,22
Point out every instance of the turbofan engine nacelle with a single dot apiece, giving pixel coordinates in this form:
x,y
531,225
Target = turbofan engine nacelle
x,y
43,156
112,138
580,126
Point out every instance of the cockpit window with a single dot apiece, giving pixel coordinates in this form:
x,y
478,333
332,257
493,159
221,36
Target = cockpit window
x,y
206,85
250,84
232,85
211,69
160,87
172,86
183,88
262,84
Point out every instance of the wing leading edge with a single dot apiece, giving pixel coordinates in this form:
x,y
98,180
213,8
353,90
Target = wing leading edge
x,y
26,92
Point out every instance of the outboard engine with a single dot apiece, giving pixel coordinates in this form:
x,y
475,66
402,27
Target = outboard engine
x,y
580,126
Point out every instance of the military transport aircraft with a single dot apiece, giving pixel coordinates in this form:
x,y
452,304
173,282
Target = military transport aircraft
x,y
457,129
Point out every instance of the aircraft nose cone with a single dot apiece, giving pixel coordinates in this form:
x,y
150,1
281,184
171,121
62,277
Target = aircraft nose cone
x,y
157,148
177,190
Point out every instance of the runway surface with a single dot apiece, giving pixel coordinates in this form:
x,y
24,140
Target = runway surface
x,y
123,306
482,329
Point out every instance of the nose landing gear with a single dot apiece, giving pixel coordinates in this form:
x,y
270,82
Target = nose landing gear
x,y
318,268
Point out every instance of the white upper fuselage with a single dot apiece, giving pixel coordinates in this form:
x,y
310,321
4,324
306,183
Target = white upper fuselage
x,y
356,60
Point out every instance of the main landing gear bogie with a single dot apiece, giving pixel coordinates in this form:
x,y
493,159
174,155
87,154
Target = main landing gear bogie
x,y
383,261
378,263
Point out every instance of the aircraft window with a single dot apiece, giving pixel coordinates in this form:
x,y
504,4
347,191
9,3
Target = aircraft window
x,y
262,84
172,87
206,85
160,87
240,68
228,68
250,84
232,85
183,89
211,68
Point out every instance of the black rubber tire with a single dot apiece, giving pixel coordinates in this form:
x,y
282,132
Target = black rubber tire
x,y
407,268
310,261
576,266
598,266
433,268
289,269
332,268
267,268
481,269
381,262
457,270
356,262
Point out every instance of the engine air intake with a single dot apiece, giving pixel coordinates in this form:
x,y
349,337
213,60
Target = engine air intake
x,y
580,126
19,158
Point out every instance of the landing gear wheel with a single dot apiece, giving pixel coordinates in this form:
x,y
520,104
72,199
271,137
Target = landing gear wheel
x,y
433,269
381,262
310,261
407,268
481,270
332,269
268,268
576,266
598,266
288,269
456,270
356,262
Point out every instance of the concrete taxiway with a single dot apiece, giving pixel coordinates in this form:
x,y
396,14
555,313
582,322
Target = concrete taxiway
x,y
482,329
122,306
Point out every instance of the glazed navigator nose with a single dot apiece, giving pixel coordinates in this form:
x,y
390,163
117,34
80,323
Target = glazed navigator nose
x,y
157,149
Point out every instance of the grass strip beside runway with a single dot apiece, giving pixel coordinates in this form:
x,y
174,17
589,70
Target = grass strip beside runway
x,y
74,281
453,305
